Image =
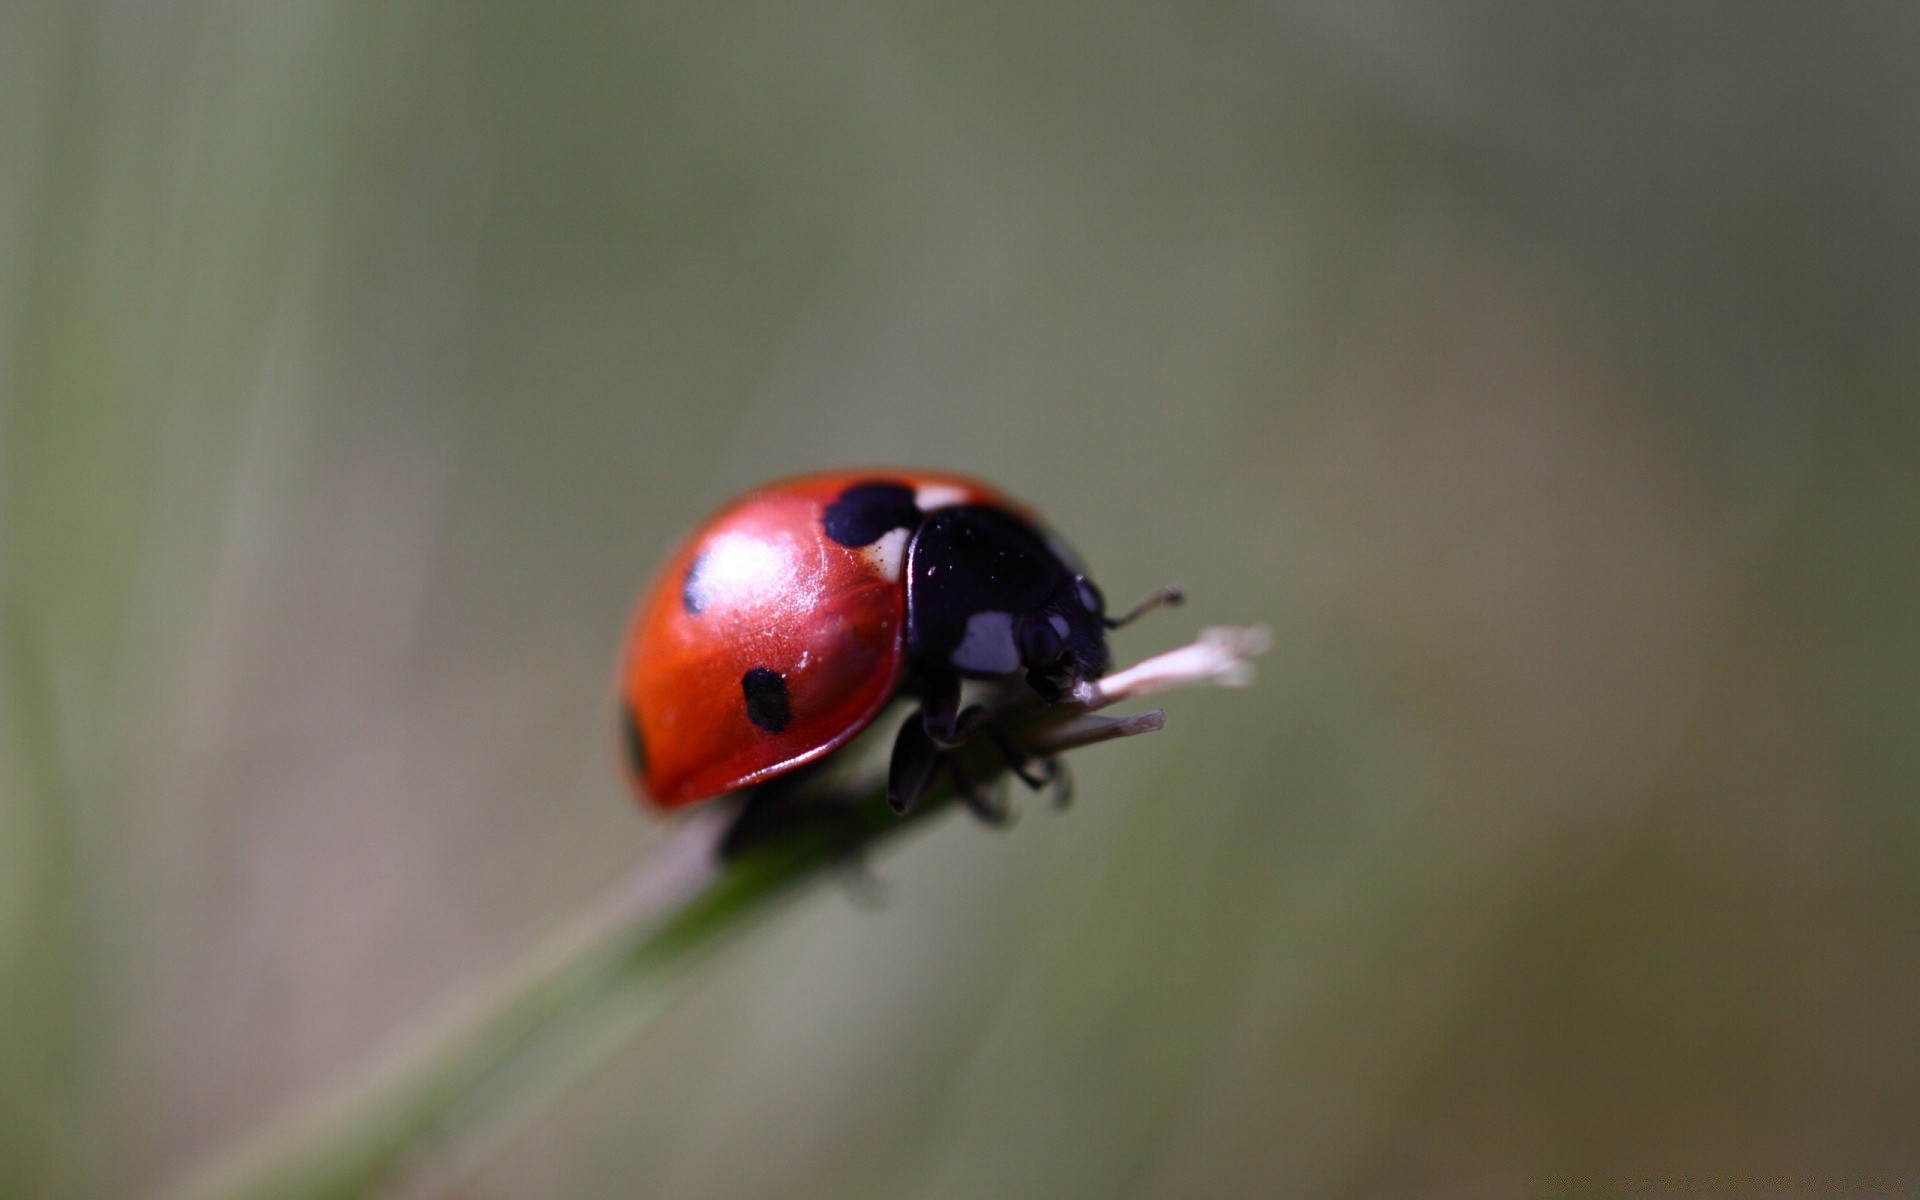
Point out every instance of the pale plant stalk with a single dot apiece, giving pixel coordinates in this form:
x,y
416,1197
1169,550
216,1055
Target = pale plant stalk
x,y
471,1071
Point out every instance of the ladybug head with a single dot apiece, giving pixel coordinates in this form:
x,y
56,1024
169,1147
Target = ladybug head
x,y
1064,641
990,595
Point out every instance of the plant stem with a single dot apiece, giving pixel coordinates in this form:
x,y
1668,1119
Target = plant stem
x,y
581,990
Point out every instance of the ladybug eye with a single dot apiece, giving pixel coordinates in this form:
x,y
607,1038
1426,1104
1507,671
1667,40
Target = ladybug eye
x,y
1042,640
1090,598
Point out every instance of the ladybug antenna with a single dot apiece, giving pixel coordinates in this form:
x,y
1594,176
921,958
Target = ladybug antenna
x,y
1166,597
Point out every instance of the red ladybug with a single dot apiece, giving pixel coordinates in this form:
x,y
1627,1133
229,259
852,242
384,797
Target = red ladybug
x,y
786,623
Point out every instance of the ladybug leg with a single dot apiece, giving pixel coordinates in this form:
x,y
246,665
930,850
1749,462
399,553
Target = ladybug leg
x,y
775,810
990,807
940,708
1017,760
1059,779
1038,774
920,749
916,758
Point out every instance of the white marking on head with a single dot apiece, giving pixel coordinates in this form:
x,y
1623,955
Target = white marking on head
x,y
1058,622
738,565
988,646
930,496
888,555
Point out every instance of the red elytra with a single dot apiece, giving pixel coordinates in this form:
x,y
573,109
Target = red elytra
x,y
760,593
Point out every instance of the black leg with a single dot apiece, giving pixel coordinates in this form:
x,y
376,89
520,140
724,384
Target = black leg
x,y
1051,773
1016,758
775,810
920,752
915,760
940,707
1060,778
991,809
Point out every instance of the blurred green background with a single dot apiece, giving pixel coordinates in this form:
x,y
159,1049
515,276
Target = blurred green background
x,y
1545,376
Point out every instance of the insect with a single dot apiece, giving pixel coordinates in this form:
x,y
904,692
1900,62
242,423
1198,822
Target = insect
x,y
792,618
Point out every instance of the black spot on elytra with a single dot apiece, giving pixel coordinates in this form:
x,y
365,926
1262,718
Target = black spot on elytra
x,y
693,595
866,512
630,738
766,693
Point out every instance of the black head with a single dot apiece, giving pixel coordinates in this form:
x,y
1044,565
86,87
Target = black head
x,y
989,595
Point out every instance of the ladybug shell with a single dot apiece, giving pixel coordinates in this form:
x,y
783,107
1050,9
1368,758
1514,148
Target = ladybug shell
x,y
765,643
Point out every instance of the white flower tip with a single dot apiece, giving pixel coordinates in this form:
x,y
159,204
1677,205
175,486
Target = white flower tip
x,y
1221,656
1237,646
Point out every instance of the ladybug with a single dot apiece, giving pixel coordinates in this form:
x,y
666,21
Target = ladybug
x,y
797,613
